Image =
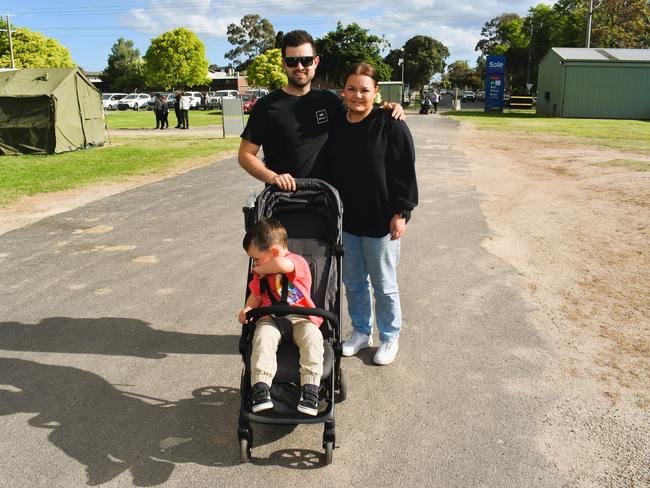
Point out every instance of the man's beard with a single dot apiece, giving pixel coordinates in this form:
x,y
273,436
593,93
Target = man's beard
x,y
299,84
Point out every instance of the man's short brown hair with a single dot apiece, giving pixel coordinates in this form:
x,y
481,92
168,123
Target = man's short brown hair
x,y
297,38
264,234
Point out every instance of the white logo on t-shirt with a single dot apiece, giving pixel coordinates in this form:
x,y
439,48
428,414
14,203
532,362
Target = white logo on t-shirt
x,y
321,116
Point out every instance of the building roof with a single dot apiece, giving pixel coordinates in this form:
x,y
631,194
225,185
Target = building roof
x,y
602,54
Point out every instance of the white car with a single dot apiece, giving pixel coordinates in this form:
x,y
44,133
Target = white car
x,y
109,100
195,99
468,96
214,99
134,101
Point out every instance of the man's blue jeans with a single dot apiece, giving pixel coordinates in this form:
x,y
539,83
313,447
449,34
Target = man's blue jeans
x,y
377,258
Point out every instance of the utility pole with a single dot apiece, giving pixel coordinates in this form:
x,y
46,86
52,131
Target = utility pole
x,y
8,29
400,62
589,15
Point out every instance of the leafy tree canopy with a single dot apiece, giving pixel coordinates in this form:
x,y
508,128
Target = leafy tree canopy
x,y
423,57
125,69
176,59
460,75
251,38
267,70
392,60
340,49
615,24
32,50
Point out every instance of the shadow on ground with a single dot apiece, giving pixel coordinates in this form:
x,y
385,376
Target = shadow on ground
x,y
111,431
109,336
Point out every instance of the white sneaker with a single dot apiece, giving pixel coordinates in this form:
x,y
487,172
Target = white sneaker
x,y
386,352
356,342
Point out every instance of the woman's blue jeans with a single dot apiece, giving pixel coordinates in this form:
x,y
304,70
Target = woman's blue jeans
x,y
375,258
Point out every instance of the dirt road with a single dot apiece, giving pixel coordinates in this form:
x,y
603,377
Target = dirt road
x,y
577,231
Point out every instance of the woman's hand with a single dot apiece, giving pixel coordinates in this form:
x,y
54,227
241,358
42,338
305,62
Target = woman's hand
x,y
397,227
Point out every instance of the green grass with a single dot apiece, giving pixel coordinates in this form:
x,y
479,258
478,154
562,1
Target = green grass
x,y
30,175
627,135
145,119
627,163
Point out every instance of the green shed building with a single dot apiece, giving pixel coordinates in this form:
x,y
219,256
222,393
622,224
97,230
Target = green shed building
x,y
49,110
594,83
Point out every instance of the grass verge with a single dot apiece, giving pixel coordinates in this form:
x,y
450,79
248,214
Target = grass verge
x,y
626,135
626,163
145,119
31,175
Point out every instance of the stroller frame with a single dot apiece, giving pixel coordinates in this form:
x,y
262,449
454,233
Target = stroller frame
x,y
321,199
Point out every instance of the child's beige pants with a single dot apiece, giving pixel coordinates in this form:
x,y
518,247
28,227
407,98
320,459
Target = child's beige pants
x,y
266,339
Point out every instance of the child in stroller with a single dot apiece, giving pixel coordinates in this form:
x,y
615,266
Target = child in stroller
x,y
312,217
280,275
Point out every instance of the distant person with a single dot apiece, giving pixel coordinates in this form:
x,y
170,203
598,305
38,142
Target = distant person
x,y
165,113
158,104
435,100
185,104
177,110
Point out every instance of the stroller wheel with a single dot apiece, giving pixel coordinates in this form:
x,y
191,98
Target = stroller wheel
x,y
244,451
329,451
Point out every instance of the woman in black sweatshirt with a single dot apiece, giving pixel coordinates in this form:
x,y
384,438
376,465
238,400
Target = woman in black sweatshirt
x,y
371,161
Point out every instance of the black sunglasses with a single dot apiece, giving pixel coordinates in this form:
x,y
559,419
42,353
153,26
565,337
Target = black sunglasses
x,y
304,60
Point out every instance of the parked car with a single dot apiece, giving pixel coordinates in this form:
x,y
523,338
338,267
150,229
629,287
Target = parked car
x,y
468,96
258,92
109,100
170,101
214,99
248,101
480,95
134,101
196,99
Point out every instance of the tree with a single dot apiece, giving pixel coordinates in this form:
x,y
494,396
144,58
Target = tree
x,y
267,70
501,34
621,24
392,60
506,34
345,46
460,75
176,59
423,57
32,50
253,37
124,71
279,39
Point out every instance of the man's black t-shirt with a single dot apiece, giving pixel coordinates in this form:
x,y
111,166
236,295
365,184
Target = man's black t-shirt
x,y
292,130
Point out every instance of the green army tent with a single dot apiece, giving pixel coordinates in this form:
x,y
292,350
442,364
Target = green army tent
x,y
48,110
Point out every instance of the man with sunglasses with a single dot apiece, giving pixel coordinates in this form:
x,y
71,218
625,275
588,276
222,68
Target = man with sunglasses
x,y
292,124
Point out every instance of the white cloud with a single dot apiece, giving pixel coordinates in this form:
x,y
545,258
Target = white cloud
x,y
455,24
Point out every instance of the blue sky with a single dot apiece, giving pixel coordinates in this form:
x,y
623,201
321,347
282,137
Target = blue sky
x,y
89,29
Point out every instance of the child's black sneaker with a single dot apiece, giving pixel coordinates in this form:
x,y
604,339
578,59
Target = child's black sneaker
x,y
261,398
308,403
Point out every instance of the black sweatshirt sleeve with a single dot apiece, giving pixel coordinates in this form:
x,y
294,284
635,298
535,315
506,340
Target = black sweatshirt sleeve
x,y
400,169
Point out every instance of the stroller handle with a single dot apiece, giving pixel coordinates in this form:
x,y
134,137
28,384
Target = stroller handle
x,y
282,309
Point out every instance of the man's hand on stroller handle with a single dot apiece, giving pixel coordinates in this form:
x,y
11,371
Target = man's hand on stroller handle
x,y
285,182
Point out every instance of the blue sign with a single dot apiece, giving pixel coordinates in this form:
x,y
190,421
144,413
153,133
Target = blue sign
x,y
495,80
